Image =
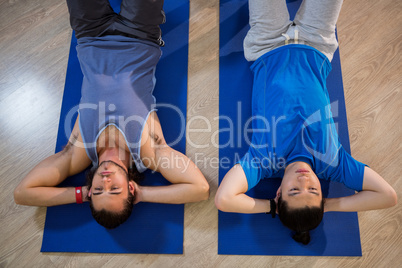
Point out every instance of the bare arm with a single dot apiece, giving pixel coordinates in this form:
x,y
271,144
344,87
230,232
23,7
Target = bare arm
x,y
231,196
188,183
376,194
38,188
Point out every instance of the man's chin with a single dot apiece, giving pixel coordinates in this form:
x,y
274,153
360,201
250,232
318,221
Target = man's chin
x,y
114,163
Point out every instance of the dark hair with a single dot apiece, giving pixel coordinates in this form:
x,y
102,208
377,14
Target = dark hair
x,y
110,219
300,220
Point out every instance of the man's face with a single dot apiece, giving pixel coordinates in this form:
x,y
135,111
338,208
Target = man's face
x,y
300,186
110,187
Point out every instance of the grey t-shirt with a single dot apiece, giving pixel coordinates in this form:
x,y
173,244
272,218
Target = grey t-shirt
x,y
119,78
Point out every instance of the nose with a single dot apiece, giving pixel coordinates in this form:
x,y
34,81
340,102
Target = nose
x,y
106,179
105,165
303,178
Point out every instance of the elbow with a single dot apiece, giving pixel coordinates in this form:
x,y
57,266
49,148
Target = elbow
x,y
392,197
18,196
21,194
203,190
222,202
388,197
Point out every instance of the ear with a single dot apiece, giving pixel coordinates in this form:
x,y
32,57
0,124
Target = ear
x,y
278,192
131,187
90,192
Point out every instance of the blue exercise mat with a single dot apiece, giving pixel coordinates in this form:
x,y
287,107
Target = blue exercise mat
x,y
152,228
259,234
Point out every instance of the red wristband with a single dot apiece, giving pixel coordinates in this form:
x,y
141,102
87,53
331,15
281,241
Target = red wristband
x,y
78,195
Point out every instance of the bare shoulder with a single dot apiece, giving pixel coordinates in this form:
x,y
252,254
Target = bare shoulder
x,y
75,149
154,129
152,135
153,142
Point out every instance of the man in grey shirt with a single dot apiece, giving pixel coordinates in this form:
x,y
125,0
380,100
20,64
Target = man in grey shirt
x,y
117,129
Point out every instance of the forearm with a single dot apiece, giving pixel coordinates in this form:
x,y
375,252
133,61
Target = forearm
x,y
376,194
171,194
45,196
362,201
48,196
242,203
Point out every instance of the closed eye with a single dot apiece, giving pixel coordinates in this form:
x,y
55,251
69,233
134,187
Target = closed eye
x,y
293,192
296,191
101,192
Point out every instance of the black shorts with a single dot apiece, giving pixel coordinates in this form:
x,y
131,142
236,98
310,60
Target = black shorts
x,y
137,18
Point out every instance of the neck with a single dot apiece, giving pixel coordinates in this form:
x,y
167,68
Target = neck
x,y
111,146
115,154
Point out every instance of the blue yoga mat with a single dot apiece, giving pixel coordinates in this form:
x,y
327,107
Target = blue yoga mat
x,y
152,228
259,234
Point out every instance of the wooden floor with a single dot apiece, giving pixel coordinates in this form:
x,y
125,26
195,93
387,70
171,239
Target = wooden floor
x,y
35,36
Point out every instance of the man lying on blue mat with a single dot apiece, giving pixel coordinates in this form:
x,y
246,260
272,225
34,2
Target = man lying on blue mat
x,y
117,129
292,62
